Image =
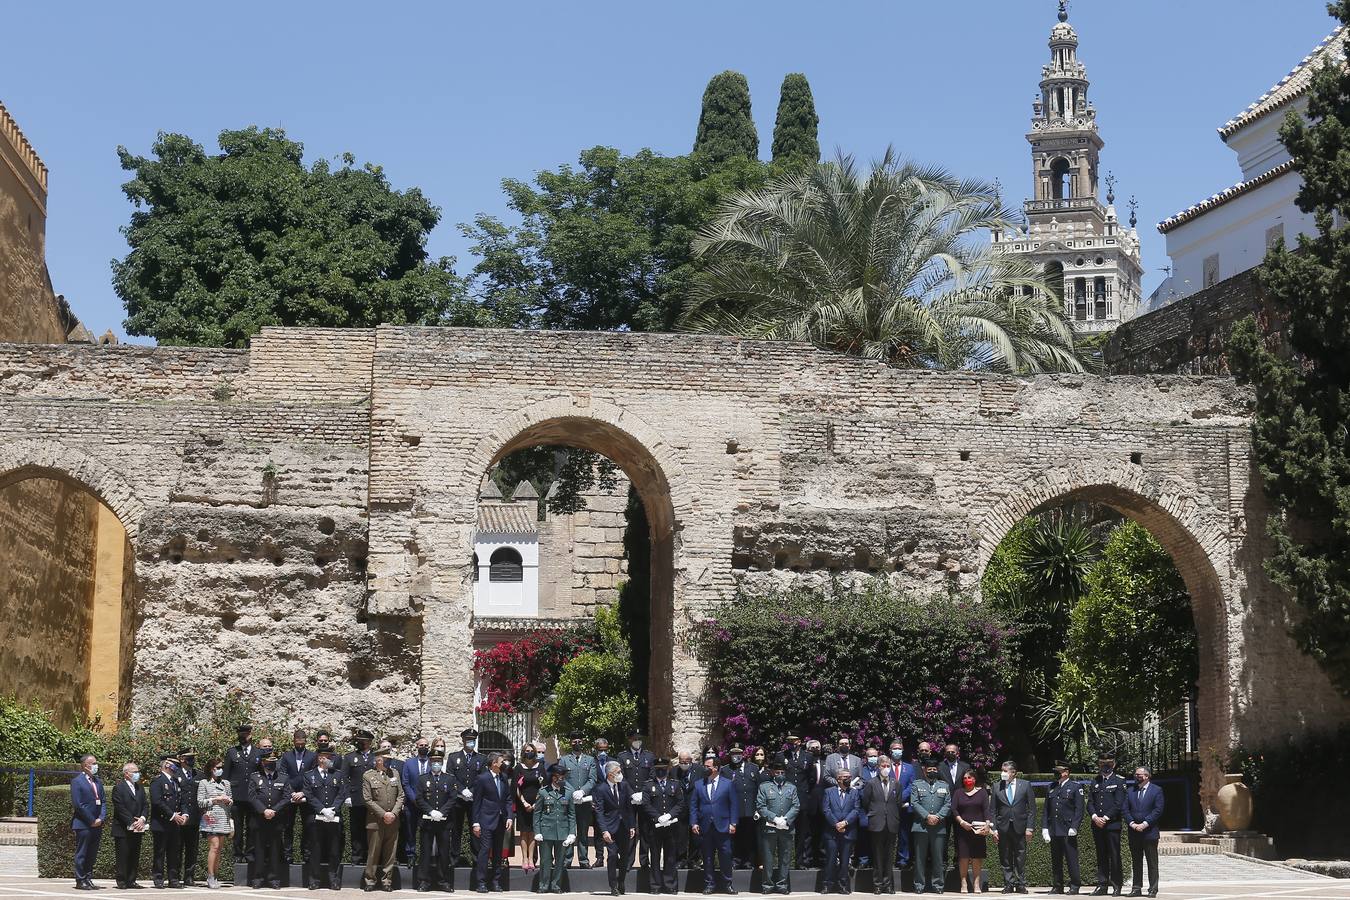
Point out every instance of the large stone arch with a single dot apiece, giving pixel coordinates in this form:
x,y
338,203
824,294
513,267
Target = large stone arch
x,y
54,459
1194,536
651,466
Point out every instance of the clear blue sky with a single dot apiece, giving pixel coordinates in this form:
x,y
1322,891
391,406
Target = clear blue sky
x,y
452,97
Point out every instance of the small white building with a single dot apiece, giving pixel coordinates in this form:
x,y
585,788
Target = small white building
x,y
1230,232
506,553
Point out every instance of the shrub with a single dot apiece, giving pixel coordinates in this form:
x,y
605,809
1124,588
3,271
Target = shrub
x,y
1279,775
520,675
29,732
592,692
859,660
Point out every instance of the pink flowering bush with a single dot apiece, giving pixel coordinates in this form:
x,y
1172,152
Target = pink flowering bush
x,y
862,661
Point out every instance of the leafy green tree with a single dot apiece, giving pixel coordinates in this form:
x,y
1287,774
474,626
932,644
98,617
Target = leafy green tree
x,y
604,246
224,244
592,693
560,475
892,265
1303,403
1131,644
726,130
796,140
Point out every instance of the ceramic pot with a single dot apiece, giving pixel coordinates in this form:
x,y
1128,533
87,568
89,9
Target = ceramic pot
x,y
1234,802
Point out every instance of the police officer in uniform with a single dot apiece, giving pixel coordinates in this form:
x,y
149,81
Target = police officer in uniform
x,y
1106,805
778,806
930,803
241,761
1063,815
464,767
167,818
580,778
744,773
663,811
325,792
637,766
354,768
438,802
187,786
269,792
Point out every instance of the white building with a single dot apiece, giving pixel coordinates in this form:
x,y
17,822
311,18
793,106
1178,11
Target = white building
x,y
1230,232
506,553
1077,241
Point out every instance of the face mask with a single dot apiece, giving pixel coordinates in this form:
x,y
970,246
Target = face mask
x,y
1107,770
216,773
135,777
736,759
189,762
684,767
1141,781
779,779
636,745
576,746
528,754
968,782
759,759
951,756
843,749
93,770
423,751
872,762
618,776
930,774
897,755
660,773
885,773
1006,776
436,767
470,745
813,748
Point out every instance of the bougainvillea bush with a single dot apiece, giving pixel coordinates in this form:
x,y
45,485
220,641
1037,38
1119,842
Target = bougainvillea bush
x,y
861,660
519,676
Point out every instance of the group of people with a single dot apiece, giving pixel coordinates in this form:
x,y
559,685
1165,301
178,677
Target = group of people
x,y
817,806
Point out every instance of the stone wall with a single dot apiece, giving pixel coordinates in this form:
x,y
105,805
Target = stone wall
x,y
305,539
581,555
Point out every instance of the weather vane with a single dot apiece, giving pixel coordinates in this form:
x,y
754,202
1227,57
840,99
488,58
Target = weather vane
x,y
1064,10
1110,188
1134,211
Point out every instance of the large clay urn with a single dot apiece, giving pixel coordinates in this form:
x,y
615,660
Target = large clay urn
x,y
1234,802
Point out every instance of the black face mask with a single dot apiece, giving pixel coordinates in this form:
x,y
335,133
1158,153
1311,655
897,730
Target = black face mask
x,y
660,773
951,757
528,755
423,751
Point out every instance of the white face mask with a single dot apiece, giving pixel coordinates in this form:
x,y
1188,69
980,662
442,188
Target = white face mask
x,y
93,770
217,772
135,777
636,745
618,776
1006,776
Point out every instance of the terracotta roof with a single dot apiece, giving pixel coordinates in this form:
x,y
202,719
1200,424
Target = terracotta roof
x,y
1223,197
1291,86
508,518
12,133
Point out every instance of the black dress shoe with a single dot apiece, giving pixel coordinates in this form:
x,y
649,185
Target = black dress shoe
x,y
314,886
368,888
135,886
707,890
1135,893
1100,891
732,890
1072,890
81,886
179,884
1115,892
1007,889
387,887
1055,890
424,888
1153,892
275,885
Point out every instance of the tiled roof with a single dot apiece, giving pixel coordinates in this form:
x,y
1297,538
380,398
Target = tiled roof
x,y
1291,86
508,518
1223,197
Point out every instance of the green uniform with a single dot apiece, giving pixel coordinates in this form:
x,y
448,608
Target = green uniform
x,y
772,801
582,774
929,798
555,820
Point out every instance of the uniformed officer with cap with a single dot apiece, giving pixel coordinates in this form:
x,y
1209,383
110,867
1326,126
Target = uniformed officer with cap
x,y
167,818
187,785
581,775
464,766
382,791
744,773
1063,815
663,810
1106,805
778,805
354,768
241,761
269,792
325,792
637,763
437,801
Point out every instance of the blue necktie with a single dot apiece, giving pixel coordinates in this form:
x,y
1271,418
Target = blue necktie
x,y
1010,791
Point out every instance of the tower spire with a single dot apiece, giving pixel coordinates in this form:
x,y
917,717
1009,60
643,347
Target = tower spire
x,y
1064,10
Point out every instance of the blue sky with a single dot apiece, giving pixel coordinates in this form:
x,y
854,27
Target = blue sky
x,y
452,97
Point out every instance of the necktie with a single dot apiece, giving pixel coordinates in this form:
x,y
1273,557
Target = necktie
x,y
711,786
1010,790
615,789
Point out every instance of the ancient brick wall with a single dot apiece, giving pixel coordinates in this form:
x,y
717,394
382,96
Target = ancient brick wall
x,y
581,555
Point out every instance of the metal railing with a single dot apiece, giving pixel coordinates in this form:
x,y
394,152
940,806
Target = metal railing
x,y
20,786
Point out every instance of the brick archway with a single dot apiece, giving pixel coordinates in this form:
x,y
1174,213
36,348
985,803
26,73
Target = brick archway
x,y
52,459
1197,542
644,456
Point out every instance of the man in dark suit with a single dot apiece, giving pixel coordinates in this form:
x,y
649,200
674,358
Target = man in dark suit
x,y
1106,805
881,798
1014,822
663,806
131,818
437,799
1063,815
715,810
492,813
415,768
841,811
354,768
294,764
464,767
1143,810
89,808
952,768
167,818
616,820
187,787
745,774
637,763
808,771
902,775
689,774
325,792
241,761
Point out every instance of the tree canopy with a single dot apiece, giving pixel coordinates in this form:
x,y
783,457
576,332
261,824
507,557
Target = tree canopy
x,y
726,129
224,244
795,132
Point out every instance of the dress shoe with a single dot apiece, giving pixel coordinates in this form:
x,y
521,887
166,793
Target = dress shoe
x,y
159,883
81,886
1099,892
1072,890
1135,893
368,888
136,886
1007,889
275,885
424,888
314,886
1055,890
1115,892
179,884
1153,892
732,890
387,887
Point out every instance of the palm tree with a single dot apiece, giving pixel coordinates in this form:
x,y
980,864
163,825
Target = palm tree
x,y
894,265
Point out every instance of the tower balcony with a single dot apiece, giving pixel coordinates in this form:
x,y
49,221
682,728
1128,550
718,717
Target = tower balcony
x,y
1087,204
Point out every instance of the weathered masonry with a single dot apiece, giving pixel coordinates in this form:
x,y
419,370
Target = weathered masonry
x,y
302,513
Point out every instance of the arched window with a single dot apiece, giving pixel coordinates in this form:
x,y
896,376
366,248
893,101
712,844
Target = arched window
x,y
475,568
505,565
1061,182
1054,278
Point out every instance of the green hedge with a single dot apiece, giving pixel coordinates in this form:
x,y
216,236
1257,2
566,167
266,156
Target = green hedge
x,y
14,782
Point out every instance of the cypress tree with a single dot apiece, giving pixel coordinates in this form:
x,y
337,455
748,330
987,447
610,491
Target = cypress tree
x,y
725,128
1299,433
795,138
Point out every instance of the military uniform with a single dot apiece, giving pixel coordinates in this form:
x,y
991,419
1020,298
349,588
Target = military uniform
x,y
187,786
1106,798
555,821
325,790
268,791
929,798
777,801
1063,815
463,766
637,771
354,768
437,794
582,775
382,792
663,809
241,761
166,802
745,776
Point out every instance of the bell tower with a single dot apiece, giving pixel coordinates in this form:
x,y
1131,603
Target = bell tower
x,y
1079,244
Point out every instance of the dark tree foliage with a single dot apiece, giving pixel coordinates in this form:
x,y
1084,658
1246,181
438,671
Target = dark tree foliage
x,y
559,474
726,129
796,140
1300,433
224,244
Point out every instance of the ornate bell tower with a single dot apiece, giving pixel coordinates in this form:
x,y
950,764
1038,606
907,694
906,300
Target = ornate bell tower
x,y
1080,244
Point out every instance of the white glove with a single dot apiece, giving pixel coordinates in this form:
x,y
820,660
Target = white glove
x,y
577,795
347,802
1045,835
539,837
663,818
856,782
437,815
466,794
780,821
637,797
1073,832
586,799
327,812
569,840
